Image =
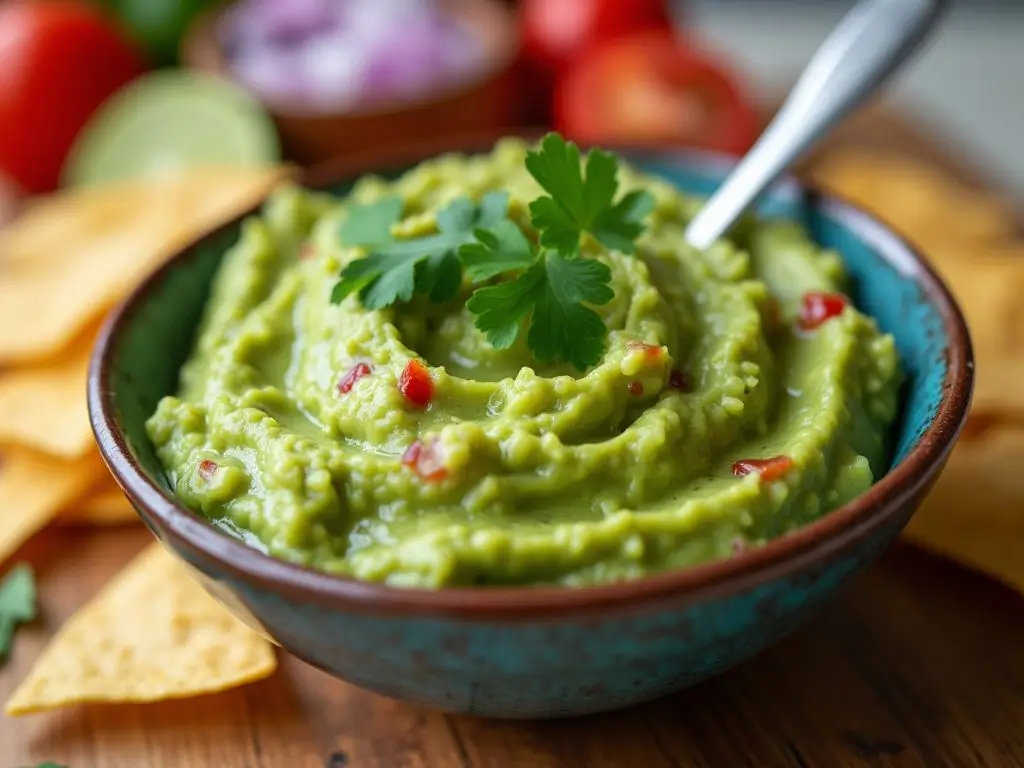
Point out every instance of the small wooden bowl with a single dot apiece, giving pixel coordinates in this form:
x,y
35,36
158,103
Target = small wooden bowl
x,y
485,101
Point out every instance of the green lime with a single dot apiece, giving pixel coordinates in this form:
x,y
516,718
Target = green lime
x,y
169,120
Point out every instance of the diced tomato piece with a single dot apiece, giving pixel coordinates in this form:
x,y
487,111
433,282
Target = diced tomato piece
x,y
416,385
426,461
651,351
207,469
680,380
636,388
307,251
355,373
816,308
769,469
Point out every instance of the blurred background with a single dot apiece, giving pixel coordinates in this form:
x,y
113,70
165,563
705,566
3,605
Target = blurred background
x,y
99,90
969,85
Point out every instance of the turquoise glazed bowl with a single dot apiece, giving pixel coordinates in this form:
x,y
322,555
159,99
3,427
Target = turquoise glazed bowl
x,y
547,651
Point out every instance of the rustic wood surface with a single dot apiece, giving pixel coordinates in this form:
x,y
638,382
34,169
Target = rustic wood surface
x,y
916,663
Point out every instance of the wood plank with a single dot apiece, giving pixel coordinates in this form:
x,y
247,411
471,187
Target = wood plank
x,y
917,663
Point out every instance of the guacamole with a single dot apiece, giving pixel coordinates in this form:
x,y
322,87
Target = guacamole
x,y
739,395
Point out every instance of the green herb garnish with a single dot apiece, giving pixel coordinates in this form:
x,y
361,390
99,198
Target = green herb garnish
x,y
17,604
579,203
393,270
550,283
552,292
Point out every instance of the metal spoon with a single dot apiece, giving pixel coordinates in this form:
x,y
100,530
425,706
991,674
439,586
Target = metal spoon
x,y
870,43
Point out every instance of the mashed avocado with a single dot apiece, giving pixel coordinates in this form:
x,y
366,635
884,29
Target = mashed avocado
x,y
738,397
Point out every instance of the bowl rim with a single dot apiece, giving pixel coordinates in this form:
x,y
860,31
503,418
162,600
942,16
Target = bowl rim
x,y
783,555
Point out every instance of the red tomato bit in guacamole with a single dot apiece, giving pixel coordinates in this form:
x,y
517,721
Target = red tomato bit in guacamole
x,y
819,307
636,389
416,385
652,352
769,469
207,469
425,461
355,373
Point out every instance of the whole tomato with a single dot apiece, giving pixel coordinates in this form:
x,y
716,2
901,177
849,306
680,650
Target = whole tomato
x,y
652,88
61,60
557,32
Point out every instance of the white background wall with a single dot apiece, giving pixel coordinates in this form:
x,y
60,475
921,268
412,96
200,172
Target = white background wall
x,y
970,83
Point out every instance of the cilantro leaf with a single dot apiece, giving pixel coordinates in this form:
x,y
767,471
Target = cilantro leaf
x,y
562,327
618,226
501,308
393,270
582,202
17,603
50,765
552,292
502,248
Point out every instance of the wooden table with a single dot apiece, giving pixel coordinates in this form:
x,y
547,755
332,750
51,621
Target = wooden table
x,y
917,663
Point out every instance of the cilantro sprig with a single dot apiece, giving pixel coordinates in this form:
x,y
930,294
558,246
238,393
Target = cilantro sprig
x,y
393,270
549,284
17,604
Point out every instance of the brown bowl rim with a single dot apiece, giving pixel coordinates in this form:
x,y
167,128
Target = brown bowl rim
x,y
775,559
498,59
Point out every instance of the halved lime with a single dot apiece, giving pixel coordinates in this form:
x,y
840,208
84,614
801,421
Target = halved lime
x,y
169,120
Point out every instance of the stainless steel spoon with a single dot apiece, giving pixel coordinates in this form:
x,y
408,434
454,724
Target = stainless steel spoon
x,y
870,43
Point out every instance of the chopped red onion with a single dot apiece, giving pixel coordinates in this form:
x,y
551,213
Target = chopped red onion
x,y
337,54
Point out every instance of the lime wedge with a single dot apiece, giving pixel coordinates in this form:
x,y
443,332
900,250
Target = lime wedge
x,y
170,120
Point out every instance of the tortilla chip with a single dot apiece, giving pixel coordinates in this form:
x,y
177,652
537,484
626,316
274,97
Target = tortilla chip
x,y
71,256
43,407
921,200
151,634
105,505
983,529
34,487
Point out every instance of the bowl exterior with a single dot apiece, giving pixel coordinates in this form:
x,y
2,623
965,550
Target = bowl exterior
x,y
567,666
548,652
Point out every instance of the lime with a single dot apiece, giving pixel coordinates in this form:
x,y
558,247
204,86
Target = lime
x,y
170,120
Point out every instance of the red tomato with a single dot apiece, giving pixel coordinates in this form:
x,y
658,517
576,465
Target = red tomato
x,y
650,87
61,60
769,469
816,308
416,385
555,32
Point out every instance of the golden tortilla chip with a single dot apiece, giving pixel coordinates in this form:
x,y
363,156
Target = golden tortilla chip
x,y
71,256
975,514
43,406
151,634
922,201
104,505
34,487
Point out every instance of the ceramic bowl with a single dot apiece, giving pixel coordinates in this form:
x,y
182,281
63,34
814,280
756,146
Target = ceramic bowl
x,y
547,651
488,100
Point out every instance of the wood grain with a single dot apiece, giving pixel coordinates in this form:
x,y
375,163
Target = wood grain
x,y
916,663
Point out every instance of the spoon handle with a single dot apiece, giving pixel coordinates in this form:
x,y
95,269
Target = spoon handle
x,y
867,46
